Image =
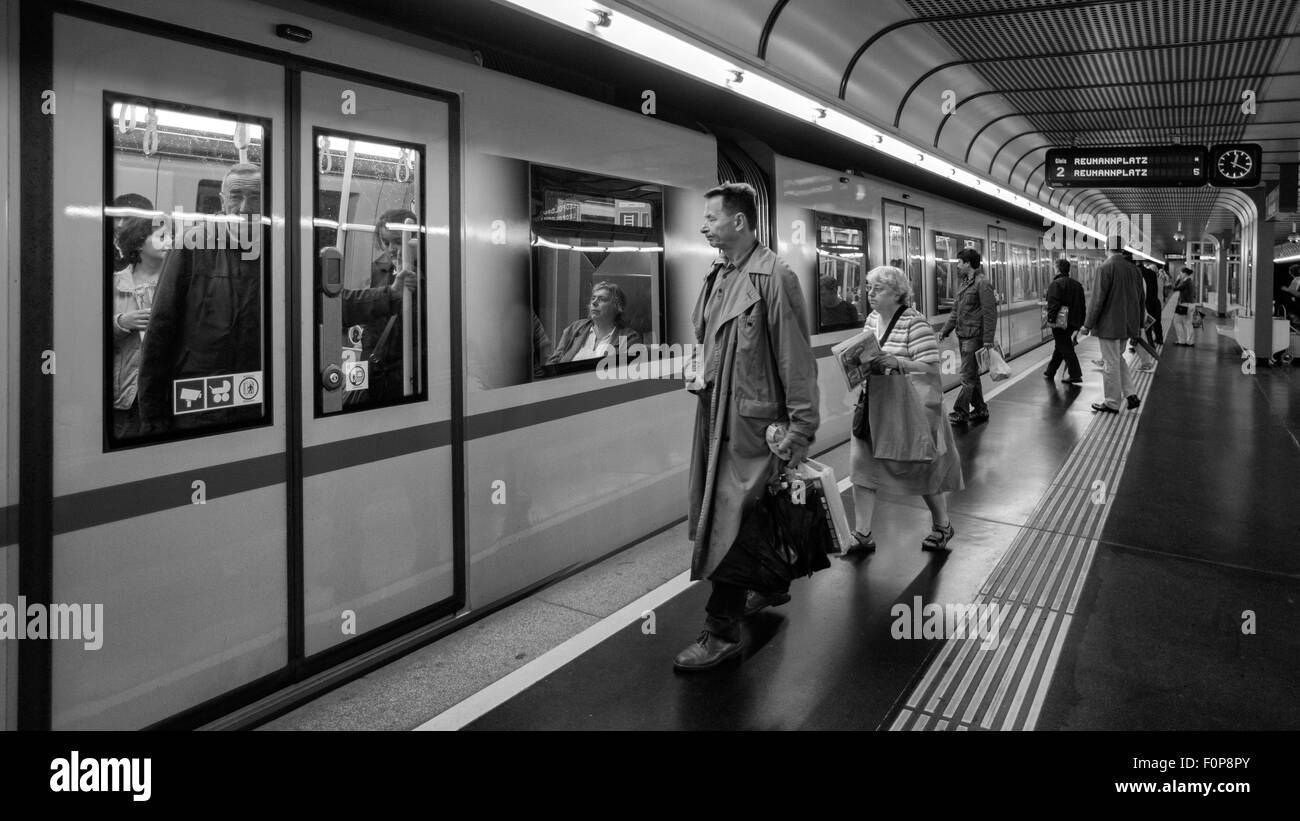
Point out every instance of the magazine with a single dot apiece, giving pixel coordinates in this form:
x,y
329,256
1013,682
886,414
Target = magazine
x,y
850,354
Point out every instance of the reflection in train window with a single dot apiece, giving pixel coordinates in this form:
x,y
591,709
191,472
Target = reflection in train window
x,y
903,228
841,272
370,329
597,267
185,328
947,279
1024,280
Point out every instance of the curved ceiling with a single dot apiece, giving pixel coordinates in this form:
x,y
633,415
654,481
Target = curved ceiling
x,y
1023,76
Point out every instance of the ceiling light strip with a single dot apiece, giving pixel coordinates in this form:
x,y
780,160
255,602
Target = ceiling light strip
x,y
646,41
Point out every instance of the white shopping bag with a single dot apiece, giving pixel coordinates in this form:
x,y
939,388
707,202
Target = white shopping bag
x,y
998,367
815,472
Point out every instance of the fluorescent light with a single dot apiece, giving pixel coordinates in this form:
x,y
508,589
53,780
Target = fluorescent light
x,y
177,119
646,41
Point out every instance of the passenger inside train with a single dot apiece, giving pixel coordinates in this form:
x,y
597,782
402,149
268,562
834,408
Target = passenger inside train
x,y
603,331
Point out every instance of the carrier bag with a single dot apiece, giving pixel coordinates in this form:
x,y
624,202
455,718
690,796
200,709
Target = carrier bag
x,y
821,479
900,430
998,367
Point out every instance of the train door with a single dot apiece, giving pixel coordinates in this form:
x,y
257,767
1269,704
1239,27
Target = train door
x,y
999,273
376,339
904,225
168,445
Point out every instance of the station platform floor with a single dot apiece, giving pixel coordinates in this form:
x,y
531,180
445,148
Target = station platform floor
x,y
1141,571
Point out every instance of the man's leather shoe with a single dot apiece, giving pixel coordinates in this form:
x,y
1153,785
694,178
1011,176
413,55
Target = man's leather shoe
x,y
756,601
957,418
979,416
1076,381
707,652
1133,401
1104,408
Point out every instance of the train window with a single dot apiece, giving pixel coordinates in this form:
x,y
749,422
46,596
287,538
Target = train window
x,y
903,228
946,277
370,329
597,267
185,322
1024,278
995,263
841,271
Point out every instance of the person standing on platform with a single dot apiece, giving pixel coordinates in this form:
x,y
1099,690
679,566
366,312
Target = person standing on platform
x,y
1065,293
1115,316
1155,334
1184,333
757,368
975,319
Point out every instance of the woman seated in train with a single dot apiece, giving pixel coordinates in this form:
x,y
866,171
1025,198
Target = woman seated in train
x,y
602,332
378,309
911,348
142,249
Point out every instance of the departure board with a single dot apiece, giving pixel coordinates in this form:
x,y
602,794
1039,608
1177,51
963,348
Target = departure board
x,y
1126,166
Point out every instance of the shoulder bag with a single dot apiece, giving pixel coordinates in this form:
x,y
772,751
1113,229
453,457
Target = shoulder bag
x,y
861,418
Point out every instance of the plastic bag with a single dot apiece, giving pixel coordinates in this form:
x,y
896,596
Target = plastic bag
x,y
998,367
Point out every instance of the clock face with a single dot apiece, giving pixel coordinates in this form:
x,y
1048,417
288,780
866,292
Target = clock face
x,y
1234,164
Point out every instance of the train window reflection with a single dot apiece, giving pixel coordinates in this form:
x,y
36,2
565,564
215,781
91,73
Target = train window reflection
x,y
995,263
597,268
185,326
1024,282
947,279
370,329
841,271
904,225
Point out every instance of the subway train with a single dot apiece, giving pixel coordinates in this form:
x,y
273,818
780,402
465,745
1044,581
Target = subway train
x,y
359,432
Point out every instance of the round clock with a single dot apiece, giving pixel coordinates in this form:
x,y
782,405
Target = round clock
x,y
1233,164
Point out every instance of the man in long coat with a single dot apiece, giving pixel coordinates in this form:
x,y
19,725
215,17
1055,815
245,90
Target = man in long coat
x,y
1115,316
757,368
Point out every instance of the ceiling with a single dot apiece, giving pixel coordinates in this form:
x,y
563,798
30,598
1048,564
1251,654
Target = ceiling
x,y
1025,76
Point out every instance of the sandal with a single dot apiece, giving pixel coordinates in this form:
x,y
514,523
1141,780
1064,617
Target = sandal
x,y
938,538
862,544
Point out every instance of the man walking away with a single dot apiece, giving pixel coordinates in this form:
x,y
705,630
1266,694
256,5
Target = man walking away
x,y
1115,316
1065,293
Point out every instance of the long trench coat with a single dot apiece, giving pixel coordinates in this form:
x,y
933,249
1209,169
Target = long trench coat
x,y
1116,308
766,373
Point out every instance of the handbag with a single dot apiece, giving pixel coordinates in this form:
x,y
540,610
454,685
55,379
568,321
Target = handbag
x,y
861,417
1198,319
902,431
1181,310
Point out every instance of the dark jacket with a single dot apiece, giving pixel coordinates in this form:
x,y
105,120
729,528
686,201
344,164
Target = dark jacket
x,y
1152,283
1116,310
1066,291
974,310
573,337
373,308
206,321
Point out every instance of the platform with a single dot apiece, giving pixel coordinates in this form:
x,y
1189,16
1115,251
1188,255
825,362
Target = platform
x,y
1145,565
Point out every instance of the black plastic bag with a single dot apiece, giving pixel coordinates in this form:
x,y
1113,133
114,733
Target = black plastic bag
x,y
778,542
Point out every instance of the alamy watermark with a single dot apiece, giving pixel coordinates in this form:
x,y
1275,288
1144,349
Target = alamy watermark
x,y
949,621
1135,229
68,622
654,361
211,232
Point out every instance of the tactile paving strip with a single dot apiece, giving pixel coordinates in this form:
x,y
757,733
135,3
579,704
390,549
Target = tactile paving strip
x,y
971,685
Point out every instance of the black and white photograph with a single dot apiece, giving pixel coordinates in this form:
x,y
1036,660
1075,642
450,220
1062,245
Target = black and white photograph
x,y
498,365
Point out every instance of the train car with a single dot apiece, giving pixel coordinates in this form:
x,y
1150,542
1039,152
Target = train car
x,y
315,401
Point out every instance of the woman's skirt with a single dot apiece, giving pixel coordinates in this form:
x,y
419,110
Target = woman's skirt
x,y
911,478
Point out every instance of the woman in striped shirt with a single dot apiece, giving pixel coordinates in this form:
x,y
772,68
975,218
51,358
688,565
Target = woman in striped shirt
x,y
911,348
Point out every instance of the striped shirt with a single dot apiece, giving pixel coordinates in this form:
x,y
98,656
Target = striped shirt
x,y
912,337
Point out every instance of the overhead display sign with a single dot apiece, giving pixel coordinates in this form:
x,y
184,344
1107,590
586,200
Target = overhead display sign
x,y
1143,166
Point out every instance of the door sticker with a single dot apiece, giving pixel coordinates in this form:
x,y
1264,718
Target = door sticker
x,y
216,392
